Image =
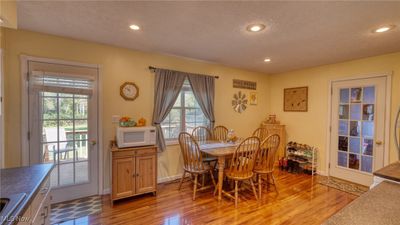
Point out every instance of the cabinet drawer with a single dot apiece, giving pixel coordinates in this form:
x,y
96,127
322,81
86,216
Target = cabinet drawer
x,y
146,151
122,154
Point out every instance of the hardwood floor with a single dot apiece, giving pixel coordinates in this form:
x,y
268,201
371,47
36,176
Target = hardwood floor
x,y
301,200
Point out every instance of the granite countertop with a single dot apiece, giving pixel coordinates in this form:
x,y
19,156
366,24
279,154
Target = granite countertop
x,y
390,172
23,180
379,205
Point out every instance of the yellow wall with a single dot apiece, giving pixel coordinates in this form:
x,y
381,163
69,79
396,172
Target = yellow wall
x,y
120,65
311,127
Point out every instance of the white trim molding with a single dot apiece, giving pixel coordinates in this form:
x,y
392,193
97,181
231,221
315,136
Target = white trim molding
x,y
2,146
170,178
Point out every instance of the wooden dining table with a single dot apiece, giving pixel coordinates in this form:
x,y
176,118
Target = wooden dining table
x,y
221,150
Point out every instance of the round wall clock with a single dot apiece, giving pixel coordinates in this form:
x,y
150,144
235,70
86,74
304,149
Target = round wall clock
x,y
239,102
129,91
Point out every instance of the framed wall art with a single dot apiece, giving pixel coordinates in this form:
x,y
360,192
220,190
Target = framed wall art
x,y
295,99
253,98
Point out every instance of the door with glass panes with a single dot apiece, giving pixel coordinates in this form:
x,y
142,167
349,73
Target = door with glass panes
x,y
63,131
357,129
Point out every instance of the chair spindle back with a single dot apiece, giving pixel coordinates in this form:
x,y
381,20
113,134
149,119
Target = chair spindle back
x,y
261,133
244,157
201,134
220,133
266,155
192,157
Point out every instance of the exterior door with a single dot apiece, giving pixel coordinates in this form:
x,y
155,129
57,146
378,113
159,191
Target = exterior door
x,y
63,131
357,129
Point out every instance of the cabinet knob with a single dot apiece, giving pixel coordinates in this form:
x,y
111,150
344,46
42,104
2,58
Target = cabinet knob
x,y
378,142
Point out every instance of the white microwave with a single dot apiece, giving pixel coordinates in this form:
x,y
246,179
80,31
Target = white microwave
x,y
135,136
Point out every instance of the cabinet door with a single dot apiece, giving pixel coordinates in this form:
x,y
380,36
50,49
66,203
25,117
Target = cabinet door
x,y
146,180
123,182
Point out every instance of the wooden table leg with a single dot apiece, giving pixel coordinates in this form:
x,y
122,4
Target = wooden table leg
x,y
221,167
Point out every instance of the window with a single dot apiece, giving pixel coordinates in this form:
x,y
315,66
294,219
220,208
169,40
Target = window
x,y
185,115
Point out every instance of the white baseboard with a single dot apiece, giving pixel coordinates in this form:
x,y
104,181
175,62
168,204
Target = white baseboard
x,y
170,178
106,191
322,173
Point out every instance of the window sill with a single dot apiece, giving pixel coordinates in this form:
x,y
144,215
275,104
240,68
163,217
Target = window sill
x,y
171,142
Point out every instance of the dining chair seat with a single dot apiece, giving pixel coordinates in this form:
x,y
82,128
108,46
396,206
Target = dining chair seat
x,y
238,175
208,159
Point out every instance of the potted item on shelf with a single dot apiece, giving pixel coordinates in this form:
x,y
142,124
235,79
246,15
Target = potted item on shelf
x,y
141,122
126,121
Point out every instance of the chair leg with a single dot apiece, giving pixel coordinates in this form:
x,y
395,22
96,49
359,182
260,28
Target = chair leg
x,y
195,186
236,193
273,179
212,178
183,177
254,189
203,179
259,186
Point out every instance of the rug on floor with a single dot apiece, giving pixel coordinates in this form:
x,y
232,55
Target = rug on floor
x,y
346,186
74,209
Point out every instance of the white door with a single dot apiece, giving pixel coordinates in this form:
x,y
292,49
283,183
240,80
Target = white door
x,y
63,130
357,129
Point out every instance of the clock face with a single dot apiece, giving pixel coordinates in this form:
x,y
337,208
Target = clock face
x,y
129,91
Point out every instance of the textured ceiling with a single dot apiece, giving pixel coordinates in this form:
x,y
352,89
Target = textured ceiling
x,y
298,34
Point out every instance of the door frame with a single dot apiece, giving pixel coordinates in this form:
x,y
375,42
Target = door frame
x,y
388,96
2,146
24,59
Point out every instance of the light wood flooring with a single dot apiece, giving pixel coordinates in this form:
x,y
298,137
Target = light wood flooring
x,y
301,200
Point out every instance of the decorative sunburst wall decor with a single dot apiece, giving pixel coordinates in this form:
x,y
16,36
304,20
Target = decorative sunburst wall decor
x,y
239,102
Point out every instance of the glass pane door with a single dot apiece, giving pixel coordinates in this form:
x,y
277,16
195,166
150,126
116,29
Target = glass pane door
x,y
64,142
356,128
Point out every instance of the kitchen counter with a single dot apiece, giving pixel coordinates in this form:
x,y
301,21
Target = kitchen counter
x,y
390,172
27,180
379,205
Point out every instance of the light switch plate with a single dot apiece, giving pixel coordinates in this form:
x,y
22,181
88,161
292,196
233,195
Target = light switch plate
x,y
115,118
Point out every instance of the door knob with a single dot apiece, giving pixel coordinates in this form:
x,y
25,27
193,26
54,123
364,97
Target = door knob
x,y
93,142
378,142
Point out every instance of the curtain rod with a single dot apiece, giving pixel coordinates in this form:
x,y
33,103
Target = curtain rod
x,y
153,69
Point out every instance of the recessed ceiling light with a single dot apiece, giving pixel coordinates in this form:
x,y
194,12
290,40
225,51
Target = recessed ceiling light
x,y
267,60
134,27
255,27
384,29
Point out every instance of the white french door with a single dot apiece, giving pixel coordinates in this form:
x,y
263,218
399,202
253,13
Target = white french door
x,y
357,129
63,131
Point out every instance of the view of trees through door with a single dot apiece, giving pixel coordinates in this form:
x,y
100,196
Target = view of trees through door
x,y
65,136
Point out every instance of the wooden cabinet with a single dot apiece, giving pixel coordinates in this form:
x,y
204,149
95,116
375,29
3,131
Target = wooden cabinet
x,y
38,212
134,171
280,130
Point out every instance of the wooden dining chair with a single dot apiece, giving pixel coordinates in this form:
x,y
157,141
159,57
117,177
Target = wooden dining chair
x,y
202,135
242,165
261,133
220,133
266,160
193,162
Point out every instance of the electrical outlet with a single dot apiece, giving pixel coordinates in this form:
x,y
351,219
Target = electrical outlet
x,y
115,118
